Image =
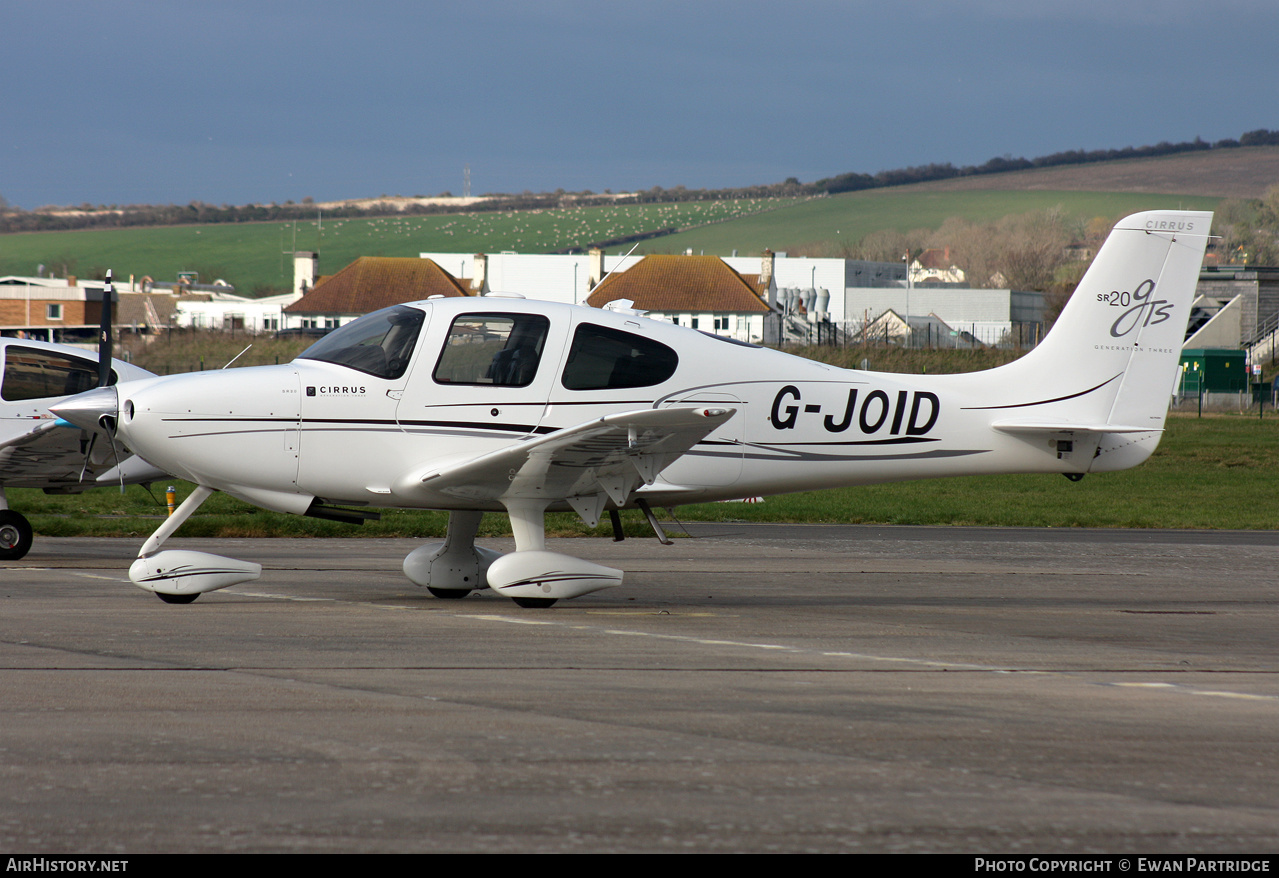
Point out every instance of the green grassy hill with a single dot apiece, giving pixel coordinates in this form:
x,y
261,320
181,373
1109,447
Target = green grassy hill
x,y
250,255
845,219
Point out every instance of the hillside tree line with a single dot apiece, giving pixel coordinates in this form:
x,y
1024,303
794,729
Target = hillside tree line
x,y
14,219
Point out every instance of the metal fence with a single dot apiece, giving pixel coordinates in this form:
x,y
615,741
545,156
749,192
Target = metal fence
x,y
858,333
1241,401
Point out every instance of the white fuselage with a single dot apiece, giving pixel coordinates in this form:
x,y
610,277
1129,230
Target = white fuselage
x,y
280,436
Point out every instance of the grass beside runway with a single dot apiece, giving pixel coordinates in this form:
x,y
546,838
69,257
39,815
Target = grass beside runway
x,y
1216,472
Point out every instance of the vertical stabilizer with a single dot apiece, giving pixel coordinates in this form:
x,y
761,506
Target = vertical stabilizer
x,y
1108,367
1112,356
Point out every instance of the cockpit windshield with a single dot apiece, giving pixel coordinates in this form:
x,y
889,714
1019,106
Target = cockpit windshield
x,y
379,344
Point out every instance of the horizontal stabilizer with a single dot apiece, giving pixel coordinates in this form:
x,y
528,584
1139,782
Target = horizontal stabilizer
x,y
1067,427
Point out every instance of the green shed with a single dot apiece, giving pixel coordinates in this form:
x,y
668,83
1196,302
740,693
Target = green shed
x,y
1213,370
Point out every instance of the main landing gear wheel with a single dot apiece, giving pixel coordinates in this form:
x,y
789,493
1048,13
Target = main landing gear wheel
x,y
449,594
177,598
535,603
15,535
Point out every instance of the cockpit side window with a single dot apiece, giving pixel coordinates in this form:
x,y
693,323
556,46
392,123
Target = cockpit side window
x,y
602,359
32,373
378,344
498,349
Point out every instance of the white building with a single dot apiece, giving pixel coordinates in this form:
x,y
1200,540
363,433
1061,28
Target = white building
x,y
859,292
215,309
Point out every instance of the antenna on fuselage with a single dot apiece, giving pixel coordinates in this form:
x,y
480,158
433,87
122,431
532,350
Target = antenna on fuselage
x,y
619,264
236,357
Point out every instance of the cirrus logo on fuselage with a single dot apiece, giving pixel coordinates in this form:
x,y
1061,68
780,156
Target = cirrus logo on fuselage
x,y
914,411
335,390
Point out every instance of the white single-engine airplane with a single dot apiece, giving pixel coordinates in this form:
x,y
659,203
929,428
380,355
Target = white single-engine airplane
x,y
474,405
38,451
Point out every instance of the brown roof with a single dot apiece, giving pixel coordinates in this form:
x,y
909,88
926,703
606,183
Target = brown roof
x,y
145,309
373,282
936,258
680,284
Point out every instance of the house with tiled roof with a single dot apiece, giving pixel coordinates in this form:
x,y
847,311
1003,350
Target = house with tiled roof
x,y
935,266
369,284
145,312
916,331
699,292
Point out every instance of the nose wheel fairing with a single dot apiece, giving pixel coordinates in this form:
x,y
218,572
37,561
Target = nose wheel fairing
x,y
183,573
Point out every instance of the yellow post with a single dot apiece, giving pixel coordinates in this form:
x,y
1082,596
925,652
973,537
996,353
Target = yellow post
x,y
171,498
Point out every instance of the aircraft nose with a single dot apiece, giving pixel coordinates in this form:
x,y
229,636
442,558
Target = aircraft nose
x,y
87,410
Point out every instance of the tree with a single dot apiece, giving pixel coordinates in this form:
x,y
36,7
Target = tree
x,y
1033,247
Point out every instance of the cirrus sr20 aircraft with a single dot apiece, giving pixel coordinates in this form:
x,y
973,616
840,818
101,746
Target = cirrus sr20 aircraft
x,y
504,404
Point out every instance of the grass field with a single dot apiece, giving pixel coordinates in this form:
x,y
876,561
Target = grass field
x,y
849,217
1218,472
250,255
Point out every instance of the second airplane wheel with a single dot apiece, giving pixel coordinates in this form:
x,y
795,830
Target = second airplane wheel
x,y
535,603
449,594
15,535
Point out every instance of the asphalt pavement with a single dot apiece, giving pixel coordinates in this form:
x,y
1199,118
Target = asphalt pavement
x,y
751,688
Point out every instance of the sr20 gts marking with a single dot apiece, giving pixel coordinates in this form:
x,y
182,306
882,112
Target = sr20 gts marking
x,y
1137,303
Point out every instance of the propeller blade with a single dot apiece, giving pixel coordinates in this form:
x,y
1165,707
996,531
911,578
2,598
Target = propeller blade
x,y
104,334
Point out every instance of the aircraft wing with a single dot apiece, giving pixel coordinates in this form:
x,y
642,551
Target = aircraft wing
x,y
40,453
586,465
27,431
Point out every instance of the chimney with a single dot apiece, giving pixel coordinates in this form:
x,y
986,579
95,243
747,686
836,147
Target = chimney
x,y
766,269
595,267
479,274
306,265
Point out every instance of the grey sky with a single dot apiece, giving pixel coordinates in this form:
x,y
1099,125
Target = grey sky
x,y
268,100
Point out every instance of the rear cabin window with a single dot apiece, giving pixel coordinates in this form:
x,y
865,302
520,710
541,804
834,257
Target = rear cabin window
x,y
31,373
497,349
604,359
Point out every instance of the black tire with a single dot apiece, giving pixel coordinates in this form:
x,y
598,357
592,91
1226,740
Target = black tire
x,y
177,598
15,535
535,603
449,594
